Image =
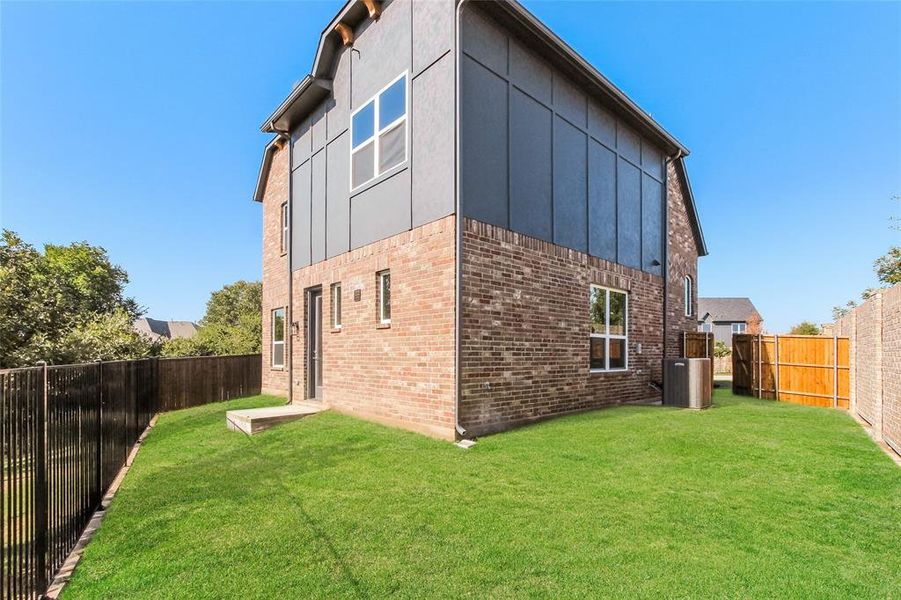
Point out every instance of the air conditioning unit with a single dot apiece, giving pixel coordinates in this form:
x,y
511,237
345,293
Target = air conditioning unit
x,y
687,382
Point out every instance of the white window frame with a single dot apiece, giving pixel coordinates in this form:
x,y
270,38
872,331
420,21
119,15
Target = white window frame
x,y
688,284
608,336
278,342
705,328
377,133
382,275
283,212
336,301
742,327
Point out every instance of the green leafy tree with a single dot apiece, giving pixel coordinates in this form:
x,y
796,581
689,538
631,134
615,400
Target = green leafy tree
x,y
45,297
721,350
232,324
105,336
806,328
888,266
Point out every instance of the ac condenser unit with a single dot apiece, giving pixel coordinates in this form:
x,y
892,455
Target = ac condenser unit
x,y
687,382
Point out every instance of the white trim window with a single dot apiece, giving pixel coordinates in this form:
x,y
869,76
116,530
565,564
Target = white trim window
x,y
278,338
739,327
336,305
379,133
689,310
609,334
384,278
706,328
284,228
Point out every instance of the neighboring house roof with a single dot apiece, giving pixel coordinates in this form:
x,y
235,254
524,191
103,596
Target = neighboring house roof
x,y
316,86
727,309
169,330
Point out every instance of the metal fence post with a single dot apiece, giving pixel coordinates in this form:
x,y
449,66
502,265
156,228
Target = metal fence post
x,y
40,487
99,474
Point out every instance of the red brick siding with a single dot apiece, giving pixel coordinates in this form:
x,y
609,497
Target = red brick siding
x,y
891,366
275,268
682,255
400,375
869,361
525,340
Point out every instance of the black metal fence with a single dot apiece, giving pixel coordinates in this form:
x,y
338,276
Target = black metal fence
x,y
66,431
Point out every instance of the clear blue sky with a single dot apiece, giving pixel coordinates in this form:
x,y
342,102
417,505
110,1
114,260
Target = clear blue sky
x,y
135,126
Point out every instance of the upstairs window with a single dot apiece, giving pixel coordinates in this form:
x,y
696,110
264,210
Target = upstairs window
x,y
379,133
706,328
689,310
609,334
284,228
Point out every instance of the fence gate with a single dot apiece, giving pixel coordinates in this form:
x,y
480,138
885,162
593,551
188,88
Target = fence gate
x,y
698,344
803,369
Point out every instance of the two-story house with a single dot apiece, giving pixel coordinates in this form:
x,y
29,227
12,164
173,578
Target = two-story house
x,y
727,316
467,227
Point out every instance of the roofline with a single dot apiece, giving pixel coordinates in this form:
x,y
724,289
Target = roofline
x,y
260,188
693,217
624,103
354,11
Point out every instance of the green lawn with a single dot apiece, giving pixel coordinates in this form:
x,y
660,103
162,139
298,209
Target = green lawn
x,y
749,499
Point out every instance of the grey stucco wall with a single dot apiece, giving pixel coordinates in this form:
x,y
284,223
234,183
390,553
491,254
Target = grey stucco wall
x,y
541,158
327,219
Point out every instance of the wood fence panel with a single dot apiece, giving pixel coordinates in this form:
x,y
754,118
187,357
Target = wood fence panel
x,y
193,381
809,370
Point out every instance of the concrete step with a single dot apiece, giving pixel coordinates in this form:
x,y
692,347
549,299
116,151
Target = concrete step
x,y
254,420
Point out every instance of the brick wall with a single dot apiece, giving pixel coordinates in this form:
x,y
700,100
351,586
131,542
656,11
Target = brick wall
x,y
874,329
891,367
399,375
682,255
275,268
524,338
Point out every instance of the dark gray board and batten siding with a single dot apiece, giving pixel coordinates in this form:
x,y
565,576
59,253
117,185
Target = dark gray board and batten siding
x,y
327,219
541,158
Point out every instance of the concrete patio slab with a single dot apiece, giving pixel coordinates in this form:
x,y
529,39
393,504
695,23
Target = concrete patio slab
x,y
254,420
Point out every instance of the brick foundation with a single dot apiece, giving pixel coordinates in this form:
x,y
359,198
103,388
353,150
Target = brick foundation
x,y
524,339
402,374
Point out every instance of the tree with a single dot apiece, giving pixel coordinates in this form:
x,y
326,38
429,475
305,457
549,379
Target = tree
x,y
842,311
806,328
888,266
232,323
105,336
721,350
46,297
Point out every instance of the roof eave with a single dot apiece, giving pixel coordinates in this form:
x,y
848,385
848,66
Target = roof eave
x,y
263,174
693,210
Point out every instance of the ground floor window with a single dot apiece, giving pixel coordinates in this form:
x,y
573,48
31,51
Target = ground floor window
x,y
608,338
278,337
384,290
739,327
336,306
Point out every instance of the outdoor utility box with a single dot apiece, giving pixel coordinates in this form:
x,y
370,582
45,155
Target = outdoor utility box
x,y
687,382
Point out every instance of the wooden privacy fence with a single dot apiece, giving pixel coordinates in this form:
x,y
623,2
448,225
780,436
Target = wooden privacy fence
x,y
804,369
66,431
698,344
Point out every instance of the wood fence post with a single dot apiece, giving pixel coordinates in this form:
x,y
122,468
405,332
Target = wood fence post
x,y
40,487
776,367
759,367
834,371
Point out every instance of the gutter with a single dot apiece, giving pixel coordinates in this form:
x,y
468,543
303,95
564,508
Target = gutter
x,y
458,283
666,233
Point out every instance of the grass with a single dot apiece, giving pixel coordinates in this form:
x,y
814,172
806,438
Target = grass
x,y
749,499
